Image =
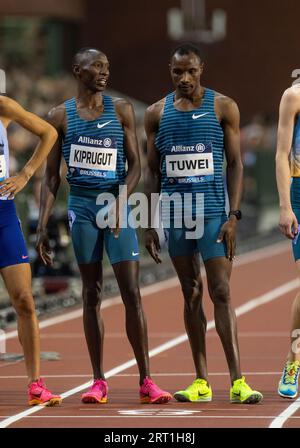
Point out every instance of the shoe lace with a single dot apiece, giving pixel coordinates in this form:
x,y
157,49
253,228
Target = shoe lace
x,y
241,384
98,384
150,385
198,382
291,373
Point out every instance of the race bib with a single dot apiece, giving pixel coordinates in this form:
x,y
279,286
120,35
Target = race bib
x,y
94,156
190,163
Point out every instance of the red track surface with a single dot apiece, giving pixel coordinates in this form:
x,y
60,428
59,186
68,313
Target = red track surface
x,y
263,336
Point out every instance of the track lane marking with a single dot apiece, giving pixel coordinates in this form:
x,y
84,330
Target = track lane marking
x,y
243,309
247,258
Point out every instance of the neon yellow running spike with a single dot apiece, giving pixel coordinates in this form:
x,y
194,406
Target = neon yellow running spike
x,y
240,392
198,391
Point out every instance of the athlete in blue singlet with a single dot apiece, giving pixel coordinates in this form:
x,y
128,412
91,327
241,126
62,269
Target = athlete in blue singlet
x,y
14,261
189,132
287,170
96,138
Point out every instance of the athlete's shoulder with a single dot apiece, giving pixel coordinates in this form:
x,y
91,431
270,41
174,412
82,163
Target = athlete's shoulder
x,y
292,93
155,110
121,104
8,106
57,115
226,108
224,100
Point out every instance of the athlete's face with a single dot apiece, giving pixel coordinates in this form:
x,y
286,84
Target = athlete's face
x,y
93,72
186,72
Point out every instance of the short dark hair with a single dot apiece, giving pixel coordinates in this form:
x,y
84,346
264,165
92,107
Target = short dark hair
x,y
82,53
187,48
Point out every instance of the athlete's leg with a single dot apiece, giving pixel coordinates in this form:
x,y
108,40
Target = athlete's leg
x,y
294,354
91,275
127,275
17,279
188,271
218,272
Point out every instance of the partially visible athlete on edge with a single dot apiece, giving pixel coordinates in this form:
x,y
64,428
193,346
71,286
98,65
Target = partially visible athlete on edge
x,y
189,132
96,136
14,261
287,167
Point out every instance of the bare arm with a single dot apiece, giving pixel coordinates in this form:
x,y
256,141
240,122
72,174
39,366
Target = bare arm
x,y
289,108
50,185
10,110
152,176
231,128
127,117
230,122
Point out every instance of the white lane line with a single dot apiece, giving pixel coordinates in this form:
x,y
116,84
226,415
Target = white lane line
x,y
255,417
280,420
153,374
249,257
243,309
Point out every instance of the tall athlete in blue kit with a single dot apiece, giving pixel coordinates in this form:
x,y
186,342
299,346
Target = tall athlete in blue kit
x,y
189,132
14,262
287,170
97,137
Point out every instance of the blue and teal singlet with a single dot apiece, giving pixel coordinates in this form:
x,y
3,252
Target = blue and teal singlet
x,y
191,146
94,151
96,161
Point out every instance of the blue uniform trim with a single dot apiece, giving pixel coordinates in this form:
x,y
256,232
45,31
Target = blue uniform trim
x,y
12,244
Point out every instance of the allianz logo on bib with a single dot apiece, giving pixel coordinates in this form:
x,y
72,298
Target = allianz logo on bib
x,y
199,147
106,142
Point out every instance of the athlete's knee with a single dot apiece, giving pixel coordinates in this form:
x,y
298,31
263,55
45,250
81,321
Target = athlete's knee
x,y
24,304
131,298
91,294
220,293
192,292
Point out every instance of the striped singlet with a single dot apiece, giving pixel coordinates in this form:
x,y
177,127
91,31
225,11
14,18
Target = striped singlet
x,y
94,151
191,146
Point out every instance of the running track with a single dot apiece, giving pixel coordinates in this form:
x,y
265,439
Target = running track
x,y
263,287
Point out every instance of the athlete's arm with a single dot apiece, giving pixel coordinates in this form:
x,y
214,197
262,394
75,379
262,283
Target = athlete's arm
x,y
10,110
50,185
126,116
152,177
125,111
230,122
289,108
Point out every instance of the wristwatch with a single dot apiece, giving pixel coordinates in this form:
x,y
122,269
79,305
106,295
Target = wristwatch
x,y
236,213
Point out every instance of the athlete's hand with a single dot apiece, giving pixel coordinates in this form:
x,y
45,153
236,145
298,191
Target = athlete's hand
x,y
43,247
288,223
12,185
152,244
228,234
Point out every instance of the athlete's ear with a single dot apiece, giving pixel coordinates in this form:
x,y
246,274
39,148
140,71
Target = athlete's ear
x,y
76,70
201,67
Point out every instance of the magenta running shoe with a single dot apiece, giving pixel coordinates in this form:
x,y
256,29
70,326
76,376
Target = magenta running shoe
x,y
151,393
97,393
39,394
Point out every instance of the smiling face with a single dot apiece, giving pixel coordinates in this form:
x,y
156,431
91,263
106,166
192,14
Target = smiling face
x,y
91,69
186,72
